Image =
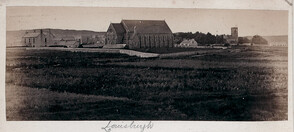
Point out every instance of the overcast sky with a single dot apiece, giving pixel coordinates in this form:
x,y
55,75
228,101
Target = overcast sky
x,y
249,22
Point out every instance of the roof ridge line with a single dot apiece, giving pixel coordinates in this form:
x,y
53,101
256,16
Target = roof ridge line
x,y
139,20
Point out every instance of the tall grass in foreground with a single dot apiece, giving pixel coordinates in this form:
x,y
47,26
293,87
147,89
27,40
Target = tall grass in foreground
x,y
219,90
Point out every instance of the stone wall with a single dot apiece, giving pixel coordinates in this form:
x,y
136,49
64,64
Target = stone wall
x,y
151,41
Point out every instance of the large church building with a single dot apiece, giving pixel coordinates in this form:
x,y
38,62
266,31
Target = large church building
x,y
140,34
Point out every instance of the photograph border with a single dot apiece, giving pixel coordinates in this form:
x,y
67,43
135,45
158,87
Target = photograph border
x,y
173,126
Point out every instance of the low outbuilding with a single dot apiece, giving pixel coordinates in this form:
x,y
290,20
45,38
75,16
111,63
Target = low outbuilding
x,y
188,43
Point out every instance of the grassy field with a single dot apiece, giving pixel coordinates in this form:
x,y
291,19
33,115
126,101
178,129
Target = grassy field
x,y
170,50
243,83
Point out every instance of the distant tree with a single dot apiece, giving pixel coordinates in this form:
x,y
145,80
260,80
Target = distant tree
x,y
246,40
242,40
201,38
220,39
178,40
209,38
259,40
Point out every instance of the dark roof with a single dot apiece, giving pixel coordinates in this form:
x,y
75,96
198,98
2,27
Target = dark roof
x,y
31,35
146,26
118,27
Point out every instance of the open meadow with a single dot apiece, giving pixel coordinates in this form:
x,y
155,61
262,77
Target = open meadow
x,y
245,83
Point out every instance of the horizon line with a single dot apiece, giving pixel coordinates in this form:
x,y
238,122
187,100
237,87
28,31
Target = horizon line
x,y
173,32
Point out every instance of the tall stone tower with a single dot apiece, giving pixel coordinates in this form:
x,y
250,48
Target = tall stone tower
x,y
234,32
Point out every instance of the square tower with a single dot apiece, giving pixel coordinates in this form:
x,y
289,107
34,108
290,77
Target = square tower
x,y
234,32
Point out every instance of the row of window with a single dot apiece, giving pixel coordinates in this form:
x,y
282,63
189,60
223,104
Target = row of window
x,y
34,40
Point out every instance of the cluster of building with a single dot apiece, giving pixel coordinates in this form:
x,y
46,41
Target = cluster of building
x,y
131,33
62,38
230,39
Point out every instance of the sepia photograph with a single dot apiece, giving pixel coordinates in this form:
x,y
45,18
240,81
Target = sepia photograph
x,y
124,63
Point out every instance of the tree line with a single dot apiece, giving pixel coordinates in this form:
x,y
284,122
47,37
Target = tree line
x,y
208,38
200,37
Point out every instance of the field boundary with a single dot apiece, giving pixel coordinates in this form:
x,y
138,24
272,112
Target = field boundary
x,y
131,52
121,51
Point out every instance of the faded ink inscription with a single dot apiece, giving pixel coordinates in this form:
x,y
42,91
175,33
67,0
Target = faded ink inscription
x,y
127,125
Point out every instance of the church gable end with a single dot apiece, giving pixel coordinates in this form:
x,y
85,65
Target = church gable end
x,y
115,34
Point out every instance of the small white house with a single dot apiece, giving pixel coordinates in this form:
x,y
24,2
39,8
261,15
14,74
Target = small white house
x,y
188,43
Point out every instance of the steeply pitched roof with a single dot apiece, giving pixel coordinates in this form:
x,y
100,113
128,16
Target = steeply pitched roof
x,y
118,27
31,35
146,26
